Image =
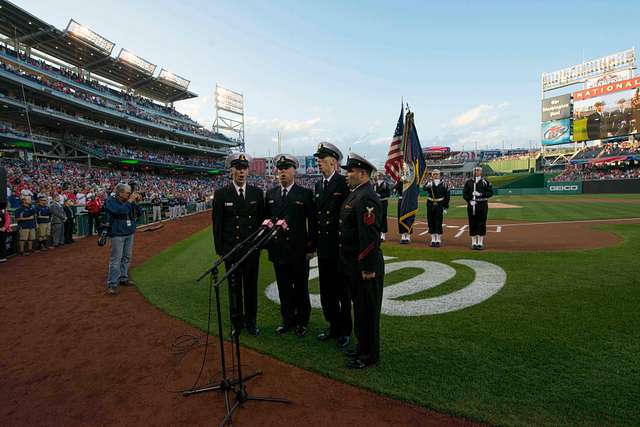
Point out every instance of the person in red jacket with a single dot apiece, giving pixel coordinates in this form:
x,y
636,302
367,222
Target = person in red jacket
x,y
94,207
5,229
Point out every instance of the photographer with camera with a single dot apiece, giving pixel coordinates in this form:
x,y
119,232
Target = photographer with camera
x,y
122,211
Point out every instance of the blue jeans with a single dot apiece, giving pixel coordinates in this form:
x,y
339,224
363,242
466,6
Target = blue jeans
x,y
119,257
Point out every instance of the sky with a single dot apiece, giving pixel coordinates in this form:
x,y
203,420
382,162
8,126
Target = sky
x,y
337,70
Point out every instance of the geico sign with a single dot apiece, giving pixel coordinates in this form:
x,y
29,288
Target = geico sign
x,y
489,279
563,188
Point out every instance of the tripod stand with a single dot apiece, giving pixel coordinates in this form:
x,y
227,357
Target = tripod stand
x,y
237,385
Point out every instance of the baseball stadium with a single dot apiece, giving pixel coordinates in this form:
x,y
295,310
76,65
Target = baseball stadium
x,y
535,325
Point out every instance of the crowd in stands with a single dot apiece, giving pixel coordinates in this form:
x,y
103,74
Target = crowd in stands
x,y
145,133
613,149
76,181
132,105
160,156
597,173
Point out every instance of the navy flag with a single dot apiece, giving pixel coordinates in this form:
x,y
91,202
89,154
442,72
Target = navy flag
x,y
414,169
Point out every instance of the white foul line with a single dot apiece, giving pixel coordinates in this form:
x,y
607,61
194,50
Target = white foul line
x,y
569,222
461,231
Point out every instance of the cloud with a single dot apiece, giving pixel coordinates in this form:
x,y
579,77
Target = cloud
x,y
484,126
292,127
480,116
200,109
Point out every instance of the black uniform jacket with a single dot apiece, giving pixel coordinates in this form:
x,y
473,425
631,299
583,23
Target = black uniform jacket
x,y
440,191
359,235
233,219
300,213
483,187
383,189
328,203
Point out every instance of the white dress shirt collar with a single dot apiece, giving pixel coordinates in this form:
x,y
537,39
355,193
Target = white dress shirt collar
x,y
328,179
287,188
244,188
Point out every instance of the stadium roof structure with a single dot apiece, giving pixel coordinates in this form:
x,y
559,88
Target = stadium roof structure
x,y
79,46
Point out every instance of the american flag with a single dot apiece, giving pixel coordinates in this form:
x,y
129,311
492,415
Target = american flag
x,y
393,165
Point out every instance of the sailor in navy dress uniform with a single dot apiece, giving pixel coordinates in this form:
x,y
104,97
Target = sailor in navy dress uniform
x,y
291,250
382,187
361,259
238,210
405,238
330,192
438,196
476,193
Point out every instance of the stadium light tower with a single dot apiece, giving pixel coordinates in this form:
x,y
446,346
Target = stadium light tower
x,y
90,37
229,113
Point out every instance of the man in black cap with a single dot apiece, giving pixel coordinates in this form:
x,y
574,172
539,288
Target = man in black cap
x,y
620,119
330,192
383,189
238,210
291,250
361,259
597,122
476,192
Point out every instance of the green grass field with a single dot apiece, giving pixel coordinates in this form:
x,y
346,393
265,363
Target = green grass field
x,y
546,208
559,344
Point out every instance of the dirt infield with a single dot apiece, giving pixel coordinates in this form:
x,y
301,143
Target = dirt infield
x,y
517,236
71,355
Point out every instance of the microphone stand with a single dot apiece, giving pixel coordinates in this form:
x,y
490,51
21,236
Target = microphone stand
x,y
242,395
225,384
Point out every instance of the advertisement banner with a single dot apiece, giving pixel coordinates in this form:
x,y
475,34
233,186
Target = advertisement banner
x,y
607,89
570,187
557,107
613,113
608,78
556,132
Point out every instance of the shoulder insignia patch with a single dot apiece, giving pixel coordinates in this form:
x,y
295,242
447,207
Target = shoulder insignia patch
x,y
369,216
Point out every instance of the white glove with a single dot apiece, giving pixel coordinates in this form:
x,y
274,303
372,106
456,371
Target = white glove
x,y
473,203
477,194
444,212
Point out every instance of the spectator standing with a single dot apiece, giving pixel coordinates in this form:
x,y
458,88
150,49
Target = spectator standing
x,y
26,218
156,202
70,218
123,211
43,219
94,207
58,218
5,228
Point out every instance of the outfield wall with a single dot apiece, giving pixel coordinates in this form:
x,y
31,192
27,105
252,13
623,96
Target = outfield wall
x,y
618,186
622,186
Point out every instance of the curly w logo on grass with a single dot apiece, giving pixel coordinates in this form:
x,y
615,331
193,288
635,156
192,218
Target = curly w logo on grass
x,y
489,279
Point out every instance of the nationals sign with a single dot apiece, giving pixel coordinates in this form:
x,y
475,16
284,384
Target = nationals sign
x,y
607,89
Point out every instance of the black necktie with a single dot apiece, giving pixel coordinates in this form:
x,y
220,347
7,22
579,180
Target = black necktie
x,y
241,193
325,184
284,194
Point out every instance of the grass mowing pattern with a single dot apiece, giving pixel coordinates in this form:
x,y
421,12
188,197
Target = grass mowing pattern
x,y
545,208
559,344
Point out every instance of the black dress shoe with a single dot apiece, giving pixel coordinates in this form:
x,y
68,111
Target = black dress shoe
x,y
344,341
351,353
253,330
356,364
301,331
325,335
474,247
282,329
